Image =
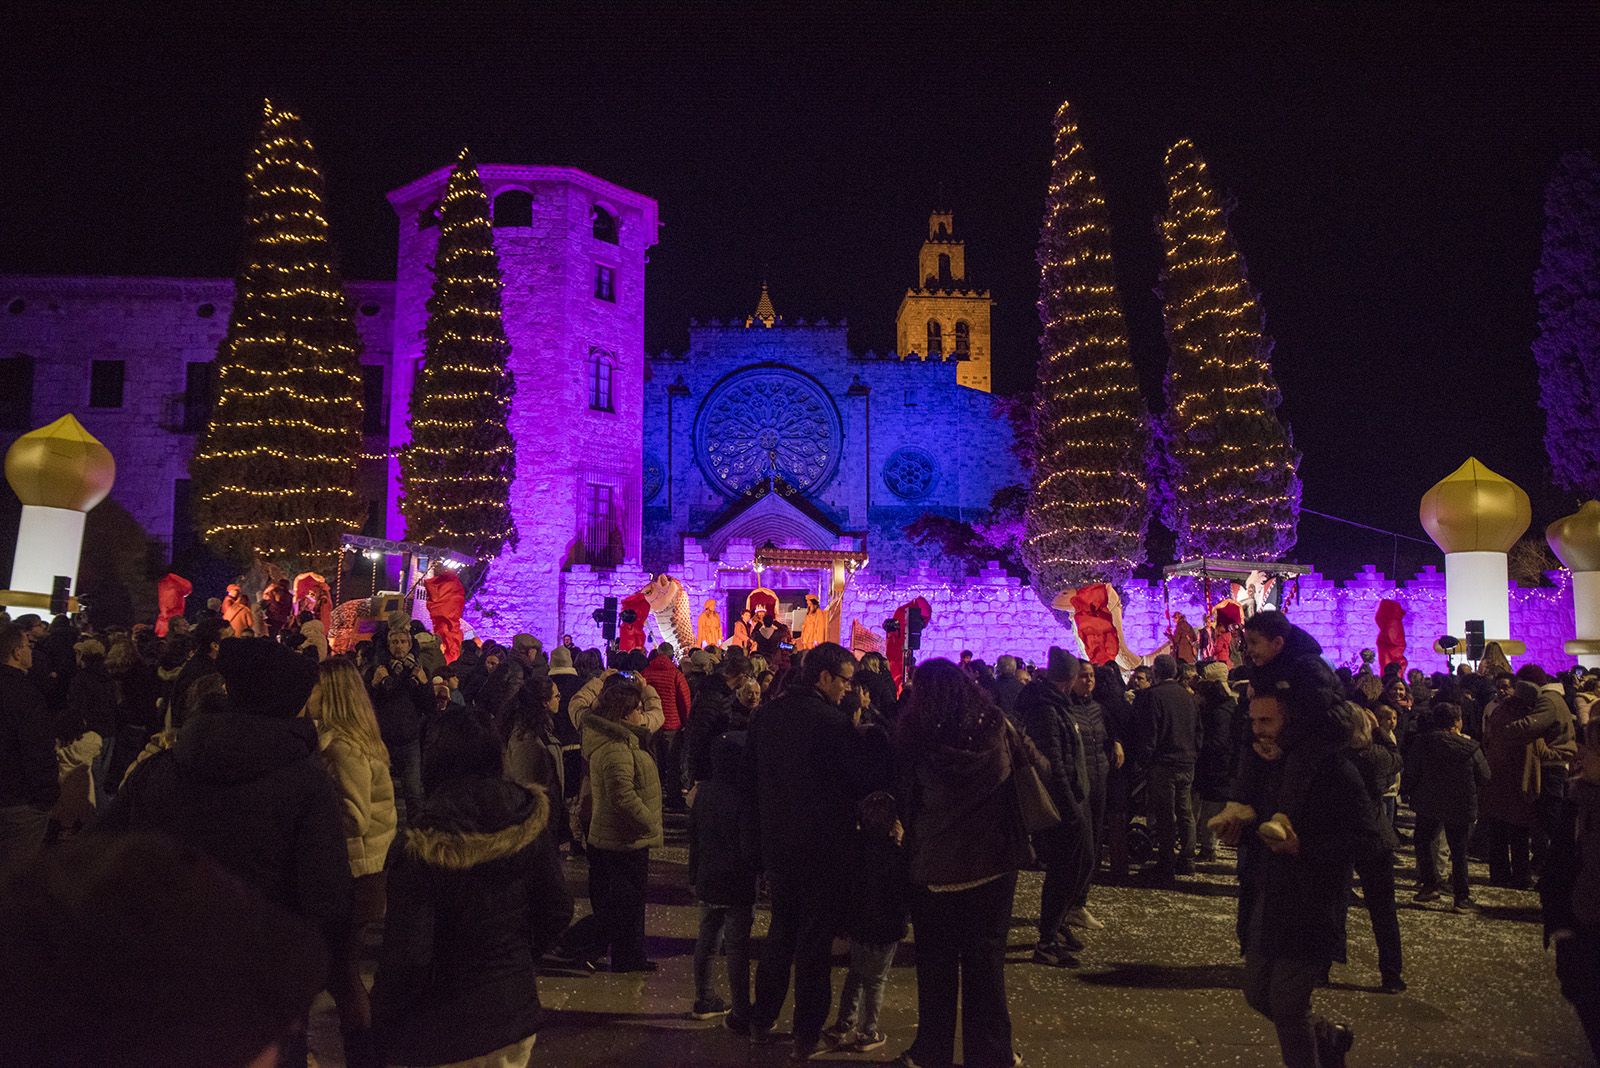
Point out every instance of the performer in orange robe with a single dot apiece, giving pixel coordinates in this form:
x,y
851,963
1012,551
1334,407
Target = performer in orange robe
x,y
446,598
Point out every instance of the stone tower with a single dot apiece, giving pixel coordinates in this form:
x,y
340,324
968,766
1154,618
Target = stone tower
x,y
942,317
572,257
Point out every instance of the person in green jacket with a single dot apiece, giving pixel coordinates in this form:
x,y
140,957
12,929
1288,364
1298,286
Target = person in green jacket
x,y
626,821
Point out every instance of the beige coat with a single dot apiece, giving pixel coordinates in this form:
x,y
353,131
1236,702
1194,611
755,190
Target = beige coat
x,y
77,801
584,701
626,786
366,798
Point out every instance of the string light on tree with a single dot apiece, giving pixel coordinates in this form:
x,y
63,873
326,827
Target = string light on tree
x,y
275,468
1230,484
456,473
1088,505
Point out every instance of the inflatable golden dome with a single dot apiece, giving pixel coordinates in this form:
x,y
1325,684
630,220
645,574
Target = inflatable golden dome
x,y
1575,539
60,466
1475,510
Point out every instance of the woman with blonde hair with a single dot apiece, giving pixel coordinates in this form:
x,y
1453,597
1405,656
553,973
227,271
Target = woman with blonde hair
x,y
357,760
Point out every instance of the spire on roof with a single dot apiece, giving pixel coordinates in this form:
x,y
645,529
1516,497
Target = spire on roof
x,y
765,315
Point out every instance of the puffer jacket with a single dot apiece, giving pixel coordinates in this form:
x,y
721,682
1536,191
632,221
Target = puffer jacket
x,y
588,696
1047,721
366,802
1444,774
474,900
624,784
672,688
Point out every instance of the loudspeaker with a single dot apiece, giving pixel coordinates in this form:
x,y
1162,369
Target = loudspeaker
x,y
606,616
915,623
60,594
1475,639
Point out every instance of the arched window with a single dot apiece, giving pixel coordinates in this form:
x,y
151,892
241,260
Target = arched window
x,y
605,224
963,339
935,340
944,268
514,207
601,366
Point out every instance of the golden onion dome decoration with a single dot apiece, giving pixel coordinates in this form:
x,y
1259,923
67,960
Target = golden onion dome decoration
x,y
1475,510
1575,539
60,466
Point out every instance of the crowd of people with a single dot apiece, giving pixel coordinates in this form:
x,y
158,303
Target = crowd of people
x,y
285,815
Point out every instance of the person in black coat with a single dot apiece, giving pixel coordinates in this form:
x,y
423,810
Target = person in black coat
x,y
402,698
804,766
246,787
1444,771
29,784
876,920
710,713
475,899
1170,737
724,865
1219,751
1066,850
1292,892
1378,760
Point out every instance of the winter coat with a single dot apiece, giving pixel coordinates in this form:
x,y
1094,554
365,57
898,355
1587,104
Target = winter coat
x,y
1006,689
475,898
1170,730
1219,749
194,669
880,890
588,696
709,719
1444,772
1294,906
567,686
1047,721
27,744
366,802
1099,745
1514,768
532,759
625,786
92,699
250,792
807,770
724,839
1378,764
78,798
402,704
1550,722
960,811
672,689
880,686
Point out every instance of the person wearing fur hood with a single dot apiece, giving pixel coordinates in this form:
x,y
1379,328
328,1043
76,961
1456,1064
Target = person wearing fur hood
x,y
476,898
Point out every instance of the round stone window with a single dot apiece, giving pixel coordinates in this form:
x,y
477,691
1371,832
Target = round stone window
x,y
767,422
910,473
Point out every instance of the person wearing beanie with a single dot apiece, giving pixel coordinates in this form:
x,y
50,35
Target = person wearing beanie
x,y
245,787
144,953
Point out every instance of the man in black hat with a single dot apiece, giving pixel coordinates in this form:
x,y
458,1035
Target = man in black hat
x,y
244,786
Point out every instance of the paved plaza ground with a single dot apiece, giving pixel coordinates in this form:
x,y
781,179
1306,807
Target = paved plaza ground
x,y
1158,987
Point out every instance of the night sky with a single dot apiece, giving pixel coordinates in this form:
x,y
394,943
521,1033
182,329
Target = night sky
x,y
1388,166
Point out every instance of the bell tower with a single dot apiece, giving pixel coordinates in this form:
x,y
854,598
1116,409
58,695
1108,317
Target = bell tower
x,y
942,317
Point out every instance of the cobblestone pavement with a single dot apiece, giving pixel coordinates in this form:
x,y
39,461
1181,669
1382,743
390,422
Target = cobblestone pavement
x,y
1158,987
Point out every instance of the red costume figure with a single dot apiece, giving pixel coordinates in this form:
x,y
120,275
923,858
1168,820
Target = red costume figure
x,y
897,637
1390,618
1097,627
171,593
631,635
446,598
1226,618
1185,642
311,594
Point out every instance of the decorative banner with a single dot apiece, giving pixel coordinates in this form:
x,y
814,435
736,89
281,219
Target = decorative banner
x,y
1390,618
171,594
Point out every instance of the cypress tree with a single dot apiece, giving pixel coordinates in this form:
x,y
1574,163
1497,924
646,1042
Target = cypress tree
x,y
275,467
1567,350
1088,504
456,472
1232,471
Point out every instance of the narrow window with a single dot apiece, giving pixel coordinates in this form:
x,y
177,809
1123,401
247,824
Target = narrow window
x,y
601,366
605,225
16,392
198,379
374,410
963,340
514,207
944,268
602,541
605,283
106,378
935,340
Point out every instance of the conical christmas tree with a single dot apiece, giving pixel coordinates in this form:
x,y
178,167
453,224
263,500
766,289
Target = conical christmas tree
x,y
456,473
1233,485
1088,504
275,468
1567,350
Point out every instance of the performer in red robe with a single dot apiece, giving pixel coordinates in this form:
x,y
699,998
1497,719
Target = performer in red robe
x,y
1390,618
446,598
171,593
1097,629
630,635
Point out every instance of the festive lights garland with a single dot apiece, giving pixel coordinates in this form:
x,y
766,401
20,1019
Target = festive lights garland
x,y
1088,504
1233,488
456,472
275,468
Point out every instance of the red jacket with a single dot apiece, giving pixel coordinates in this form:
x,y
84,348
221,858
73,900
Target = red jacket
x,y
663,675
